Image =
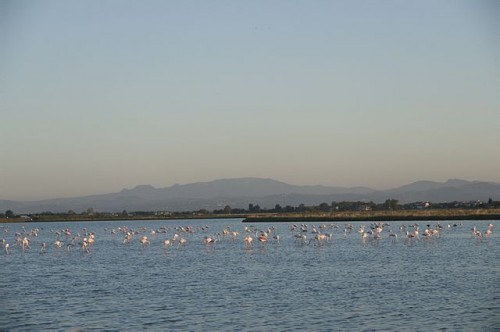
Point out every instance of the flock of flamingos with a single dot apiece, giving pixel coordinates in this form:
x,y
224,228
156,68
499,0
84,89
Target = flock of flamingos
x,y
178,237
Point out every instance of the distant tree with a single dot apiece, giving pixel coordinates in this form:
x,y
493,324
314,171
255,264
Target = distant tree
x,y
71,212
227,209
253,208
324,207
9,214
490,201
301,208
344,206
391,204
125,213
278,208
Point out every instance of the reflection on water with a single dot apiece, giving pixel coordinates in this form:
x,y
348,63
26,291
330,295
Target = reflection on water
x,y
385,280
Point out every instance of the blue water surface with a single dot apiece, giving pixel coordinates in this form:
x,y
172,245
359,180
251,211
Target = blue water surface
x,y
347,283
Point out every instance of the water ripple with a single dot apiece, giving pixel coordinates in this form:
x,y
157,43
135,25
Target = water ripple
x,y
348,284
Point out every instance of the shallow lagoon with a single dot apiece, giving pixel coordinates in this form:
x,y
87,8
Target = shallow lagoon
x,y
348,283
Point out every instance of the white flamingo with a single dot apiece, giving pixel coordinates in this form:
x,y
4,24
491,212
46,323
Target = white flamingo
x,y
248,240
144,241
182,242
393,236
25,244
209,239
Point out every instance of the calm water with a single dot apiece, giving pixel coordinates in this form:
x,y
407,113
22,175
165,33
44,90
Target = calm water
x,y
448,283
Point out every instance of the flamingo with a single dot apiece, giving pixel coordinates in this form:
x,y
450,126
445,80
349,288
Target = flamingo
x,y
409,235
182,241
489,230
301,237
248,240
144,241
167,243
85,246
128,237
262,237
321,237
415,233
361,229
393,236
175,238
25,243
208,239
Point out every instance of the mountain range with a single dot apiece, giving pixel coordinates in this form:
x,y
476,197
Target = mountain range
x,y
240,192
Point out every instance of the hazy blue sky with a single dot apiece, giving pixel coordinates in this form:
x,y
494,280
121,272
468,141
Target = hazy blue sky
x,y
96,96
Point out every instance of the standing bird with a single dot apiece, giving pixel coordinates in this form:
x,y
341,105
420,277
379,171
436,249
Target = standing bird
x,y
25,243
208,239
182,242
84,246
489,230
262,237
144,241
320,238
393,236
248,240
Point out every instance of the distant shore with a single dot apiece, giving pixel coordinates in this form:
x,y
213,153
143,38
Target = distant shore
x,y
407,215
399,215
118,218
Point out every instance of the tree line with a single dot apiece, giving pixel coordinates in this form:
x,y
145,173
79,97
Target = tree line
x,y
389,205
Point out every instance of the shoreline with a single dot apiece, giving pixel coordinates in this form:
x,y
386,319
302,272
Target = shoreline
x,y
347,216
407,215
373,218
135,218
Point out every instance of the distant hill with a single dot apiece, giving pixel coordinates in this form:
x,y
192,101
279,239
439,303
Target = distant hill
x,y
238,193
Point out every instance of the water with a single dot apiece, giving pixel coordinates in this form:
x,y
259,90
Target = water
x,y
448,283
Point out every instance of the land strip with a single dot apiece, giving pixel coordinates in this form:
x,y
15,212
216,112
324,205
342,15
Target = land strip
x,y
400,215
407,215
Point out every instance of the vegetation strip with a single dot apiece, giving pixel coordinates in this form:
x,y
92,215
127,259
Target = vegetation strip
x,y
405,215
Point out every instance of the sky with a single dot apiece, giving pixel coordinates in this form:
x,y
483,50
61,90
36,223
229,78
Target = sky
x,y
96,96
